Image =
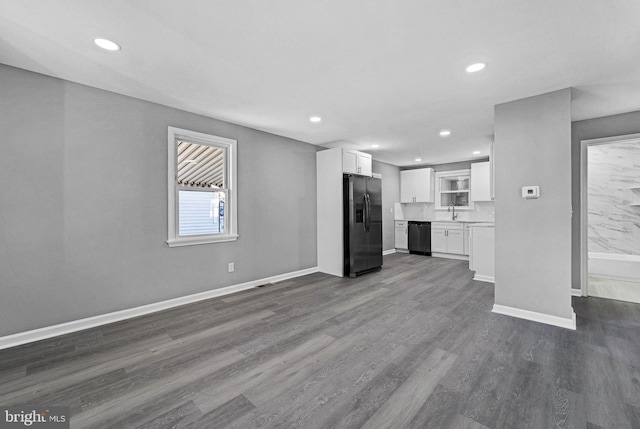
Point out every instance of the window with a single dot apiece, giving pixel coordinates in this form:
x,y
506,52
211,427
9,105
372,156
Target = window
x,y
202,188
453,189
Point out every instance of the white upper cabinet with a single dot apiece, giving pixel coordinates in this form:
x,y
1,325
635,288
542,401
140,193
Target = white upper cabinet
x,y
417,186
481,181
355,162
406,186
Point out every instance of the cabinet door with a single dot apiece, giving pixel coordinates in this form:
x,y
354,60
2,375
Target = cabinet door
x,y
471,264
481,181
438,240
364,164
402,239
350,161
455,241
423,185
406,186
467,238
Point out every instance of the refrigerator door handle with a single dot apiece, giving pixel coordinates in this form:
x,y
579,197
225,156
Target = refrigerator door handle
x,y
368,213
364,212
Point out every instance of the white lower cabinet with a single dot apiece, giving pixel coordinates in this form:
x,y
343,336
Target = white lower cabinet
x,y
455,241
402,235
448,238
438,239
482,255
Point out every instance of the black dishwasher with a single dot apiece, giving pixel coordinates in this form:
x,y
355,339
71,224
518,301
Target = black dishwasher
x,y
420,238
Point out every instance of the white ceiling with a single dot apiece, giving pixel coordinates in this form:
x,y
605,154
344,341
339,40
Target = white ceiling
x,y
377,72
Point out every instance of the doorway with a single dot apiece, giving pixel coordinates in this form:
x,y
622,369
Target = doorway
x,y
610,218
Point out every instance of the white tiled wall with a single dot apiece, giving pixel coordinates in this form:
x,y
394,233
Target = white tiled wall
x,y
614,225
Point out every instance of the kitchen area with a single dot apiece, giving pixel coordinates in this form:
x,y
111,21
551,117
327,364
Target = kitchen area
x,y
447,211
444,211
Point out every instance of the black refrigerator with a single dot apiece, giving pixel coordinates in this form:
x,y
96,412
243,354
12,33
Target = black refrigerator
x,y
362,200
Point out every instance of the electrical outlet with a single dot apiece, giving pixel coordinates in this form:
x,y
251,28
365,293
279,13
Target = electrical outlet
x,y
232,267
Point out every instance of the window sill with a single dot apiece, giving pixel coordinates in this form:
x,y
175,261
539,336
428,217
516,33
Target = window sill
x,y
179,242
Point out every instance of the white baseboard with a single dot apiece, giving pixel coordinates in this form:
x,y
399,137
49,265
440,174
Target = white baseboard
x,y
482,278
576,292
103,319
388,252
537,317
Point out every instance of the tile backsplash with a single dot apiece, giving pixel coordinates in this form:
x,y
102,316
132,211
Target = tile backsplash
x,y
482,212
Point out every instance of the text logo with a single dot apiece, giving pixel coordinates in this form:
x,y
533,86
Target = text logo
x,y
36,417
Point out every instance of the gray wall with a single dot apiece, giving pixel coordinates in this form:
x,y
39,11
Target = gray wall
x,y
83,219
533,237
608,126
390,195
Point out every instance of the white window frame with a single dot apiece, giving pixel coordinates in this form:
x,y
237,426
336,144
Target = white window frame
x,y
453,173
231,212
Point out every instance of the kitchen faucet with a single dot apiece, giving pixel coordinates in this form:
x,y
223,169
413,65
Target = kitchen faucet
x,y
453,209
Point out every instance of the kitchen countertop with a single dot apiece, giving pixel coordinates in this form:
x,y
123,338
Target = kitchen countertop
x,y
475,222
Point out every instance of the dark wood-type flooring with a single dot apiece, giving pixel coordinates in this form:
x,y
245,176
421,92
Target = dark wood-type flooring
x,y
412,346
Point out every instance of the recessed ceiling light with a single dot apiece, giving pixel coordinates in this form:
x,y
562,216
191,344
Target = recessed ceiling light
x,y
445,133
476,67
375,146
418,159
107,44
315,119
476,152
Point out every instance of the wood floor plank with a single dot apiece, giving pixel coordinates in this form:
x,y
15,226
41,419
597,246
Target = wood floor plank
x,y
600,391
633,415
285,326
209,333
462,422
182,416
11,374
354,302
159,386
406,401
338,358
213,397
225,415
526,393
369,350
326,391
440,410
628,381
76,370
564,409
